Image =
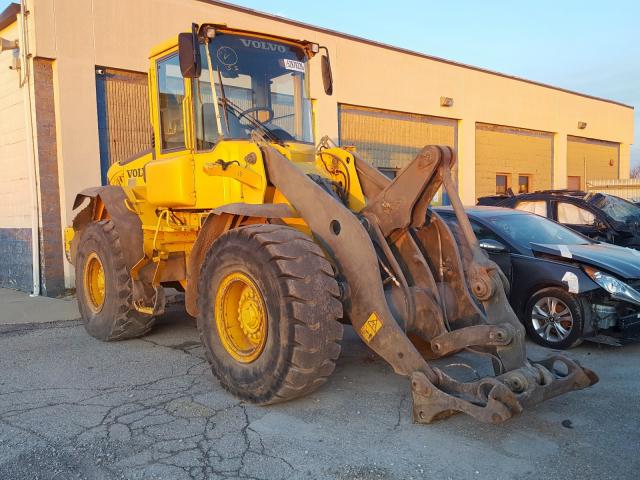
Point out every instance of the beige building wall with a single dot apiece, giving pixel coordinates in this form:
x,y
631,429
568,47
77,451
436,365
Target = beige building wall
x,y
512,152
80,34
15,194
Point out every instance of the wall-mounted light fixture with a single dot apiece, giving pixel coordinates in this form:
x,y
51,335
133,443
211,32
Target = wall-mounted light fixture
x,y
582,125
8,44
446,102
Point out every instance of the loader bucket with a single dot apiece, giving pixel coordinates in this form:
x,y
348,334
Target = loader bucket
x,y
406,274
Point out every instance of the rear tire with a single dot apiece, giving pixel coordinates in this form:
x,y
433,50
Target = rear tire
x,y
286,347
560,331
103,286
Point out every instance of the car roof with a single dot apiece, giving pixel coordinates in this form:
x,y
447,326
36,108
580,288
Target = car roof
x,y
580,194
483,211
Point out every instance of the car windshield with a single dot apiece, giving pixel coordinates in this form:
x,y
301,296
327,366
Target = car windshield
x,y
525,229
260,84
617,208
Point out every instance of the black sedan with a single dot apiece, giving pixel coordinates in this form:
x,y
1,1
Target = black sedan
x,y
564,286
599,216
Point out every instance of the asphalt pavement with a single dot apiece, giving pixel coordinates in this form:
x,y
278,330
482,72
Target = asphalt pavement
x,y
72,407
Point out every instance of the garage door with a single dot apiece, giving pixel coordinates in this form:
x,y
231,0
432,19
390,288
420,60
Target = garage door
x,y
515,158
389,140
591,160
123,115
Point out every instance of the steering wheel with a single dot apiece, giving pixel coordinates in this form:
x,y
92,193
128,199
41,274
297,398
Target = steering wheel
x,y
245,113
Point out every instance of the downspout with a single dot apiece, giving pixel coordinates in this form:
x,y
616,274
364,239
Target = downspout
x,y
25,84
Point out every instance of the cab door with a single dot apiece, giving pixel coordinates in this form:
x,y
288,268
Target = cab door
x,y
170,176
229,168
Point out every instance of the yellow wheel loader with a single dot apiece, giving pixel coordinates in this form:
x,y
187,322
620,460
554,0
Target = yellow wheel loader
x,y
277,242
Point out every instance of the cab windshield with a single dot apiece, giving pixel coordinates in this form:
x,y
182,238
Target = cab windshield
x,y
259,84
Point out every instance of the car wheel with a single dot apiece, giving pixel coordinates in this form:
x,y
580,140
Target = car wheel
x,y
554,318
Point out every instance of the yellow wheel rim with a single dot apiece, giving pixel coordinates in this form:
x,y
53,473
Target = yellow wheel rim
x,y
94,282
241,317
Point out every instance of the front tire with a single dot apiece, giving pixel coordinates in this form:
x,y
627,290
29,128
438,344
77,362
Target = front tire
x,y
554,318
103,286
268,313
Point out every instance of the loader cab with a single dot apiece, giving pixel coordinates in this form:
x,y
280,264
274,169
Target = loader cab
x,y
260,84
212,93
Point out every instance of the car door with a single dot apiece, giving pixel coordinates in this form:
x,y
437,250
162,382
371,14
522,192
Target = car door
x,y
578,218
486,238
539,207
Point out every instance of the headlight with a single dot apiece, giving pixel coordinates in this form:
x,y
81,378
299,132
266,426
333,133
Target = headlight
x,y
618,290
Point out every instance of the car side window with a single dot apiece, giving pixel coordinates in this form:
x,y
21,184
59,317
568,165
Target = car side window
x,y
483,233
539,207
170,95
573,215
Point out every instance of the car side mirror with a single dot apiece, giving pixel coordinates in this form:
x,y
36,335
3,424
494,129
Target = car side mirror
x,y
492,246
327,74
189,53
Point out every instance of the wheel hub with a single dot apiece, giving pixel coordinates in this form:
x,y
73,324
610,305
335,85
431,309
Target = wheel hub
x,y
94,282
241,318
251,315
552,319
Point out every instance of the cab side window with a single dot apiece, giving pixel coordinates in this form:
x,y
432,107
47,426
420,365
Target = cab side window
x,y
539,207
170,96
574,215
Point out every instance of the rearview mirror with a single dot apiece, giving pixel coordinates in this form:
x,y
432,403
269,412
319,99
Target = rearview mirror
x,y
492,246
189,53
327,75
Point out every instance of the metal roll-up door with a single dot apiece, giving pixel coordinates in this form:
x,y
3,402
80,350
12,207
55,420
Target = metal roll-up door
x,y
388,139
589,159
510,157
123,115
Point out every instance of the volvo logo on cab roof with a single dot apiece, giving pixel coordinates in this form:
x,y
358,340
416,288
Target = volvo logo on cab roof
x,y
261,44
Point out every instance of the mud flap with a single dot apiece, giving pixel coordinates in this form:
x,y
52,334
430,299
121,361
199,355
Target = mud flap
x,y
146,299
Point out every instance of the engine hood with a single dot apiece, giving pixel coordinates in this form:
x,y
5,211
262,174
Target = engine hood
x,y
620,261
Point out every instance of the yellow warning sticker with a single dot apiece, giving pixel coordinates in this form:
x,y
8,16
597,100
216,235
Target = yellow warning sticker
x,y
370,327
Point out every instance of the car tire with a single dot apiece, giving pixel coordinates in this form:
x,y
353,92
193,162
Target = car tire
x,y
554,318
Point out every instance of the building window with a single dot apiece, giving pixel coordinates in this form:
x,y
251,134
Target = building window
x,y
501,184
523,183
573,182
170,96
389,172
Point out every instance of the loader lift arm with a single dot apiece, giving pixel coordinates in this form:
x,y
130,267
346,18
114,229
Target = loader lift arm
x,y
432,295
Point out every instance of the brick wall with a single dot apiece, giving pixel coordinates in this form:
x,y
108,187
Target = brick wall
x,y
51,248
512,151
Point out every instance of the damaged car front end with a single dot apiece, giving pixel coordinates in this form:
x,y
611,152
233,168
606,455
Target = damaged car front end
x,y
565,287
